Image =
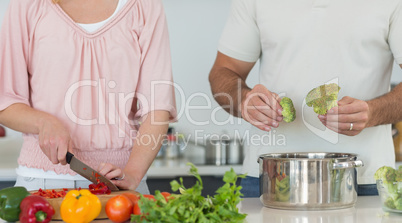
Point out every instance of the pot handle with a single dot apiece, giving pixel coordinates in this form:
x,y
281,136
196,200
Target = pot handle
x,y
346,165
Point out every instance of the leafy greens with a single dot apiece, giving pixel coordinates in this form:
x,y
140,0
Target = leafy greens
x,y
191,206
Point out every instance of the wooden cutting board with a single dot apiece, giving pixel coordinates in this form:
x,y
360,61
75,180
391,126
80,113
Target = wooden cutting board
x,y
56,203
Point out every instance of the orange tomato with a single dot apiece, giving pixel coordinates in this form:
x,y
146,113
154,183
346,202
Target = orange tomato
x,y
166,195
150,197
133,198
136,209
119,208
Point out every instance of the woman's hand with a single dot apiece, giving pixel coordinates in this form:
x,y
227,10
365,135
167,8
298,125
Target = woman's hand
x,y
54,140
349,118
261,108
121,179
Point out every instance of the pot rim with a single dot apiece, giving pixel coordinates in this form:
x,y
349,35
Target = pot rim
x,y
308,156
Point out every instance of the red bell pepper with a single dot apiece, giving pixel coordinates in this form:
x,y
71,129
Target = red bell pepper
x,y
51,193
36,209
99,188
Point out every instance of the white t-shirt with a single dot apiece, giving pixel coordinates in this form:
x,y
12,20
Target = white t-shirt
x,y
302,44
95,26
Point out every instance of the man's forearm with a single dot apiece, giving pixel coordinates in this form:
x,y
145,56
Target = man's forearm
x,y
386,109
23,118
228,89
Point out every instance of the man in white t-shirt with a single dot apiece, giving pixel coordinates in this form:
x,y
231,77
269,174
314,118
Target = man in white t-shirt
x,y
301,45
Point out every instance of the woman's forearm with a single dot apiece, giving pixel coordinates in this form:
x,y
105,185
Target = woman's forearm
x,y
147,144
23,118
54,138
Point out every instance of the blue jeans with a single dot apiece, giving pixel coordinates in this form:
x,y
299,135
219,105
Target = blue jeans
x,y
251,188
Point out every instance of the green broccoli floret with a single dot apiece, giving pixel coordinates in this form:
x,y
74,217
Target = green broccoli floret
x,y
288,110
389,203
398,204
387,175
323,98
398,173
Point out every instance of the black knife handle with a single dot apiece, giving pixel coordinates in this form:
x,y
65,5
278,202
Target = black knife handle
x,y
69,156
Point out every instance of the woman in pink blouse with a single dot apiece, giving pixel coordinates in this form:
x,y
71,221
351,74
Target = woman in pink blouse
x,y
91,78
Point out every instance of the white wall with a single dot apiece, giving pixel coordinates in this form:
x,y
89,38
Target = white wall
x,y
3,8
195,27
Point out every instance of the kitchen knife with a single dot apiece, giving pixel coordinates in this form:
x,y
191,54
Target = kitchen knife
x,y
87,172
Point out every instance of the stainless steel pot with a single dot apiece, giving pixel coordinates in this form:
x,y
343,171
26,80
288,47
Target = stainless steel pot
x,y
308,181
234,152
223,151
215,151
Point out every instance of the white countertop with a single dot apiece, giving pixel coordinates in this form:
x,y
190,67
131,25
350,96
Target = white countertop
x,y
367,210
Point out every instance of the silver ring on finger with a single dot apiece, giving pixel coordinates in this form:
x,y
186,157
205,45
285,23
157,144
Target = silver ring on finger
x,y
121,178
351,126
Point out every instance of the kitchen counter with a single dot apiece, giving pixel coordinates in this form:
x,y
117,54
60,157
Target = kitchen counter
x,y
367,210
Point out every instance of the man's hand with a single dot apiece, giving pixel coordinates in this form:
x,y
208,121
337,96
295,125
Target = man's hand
x,y
349,118
261,108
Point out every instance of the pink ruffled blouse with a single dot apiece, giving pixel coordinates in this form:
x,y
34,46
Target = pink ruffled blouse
x,y
86,80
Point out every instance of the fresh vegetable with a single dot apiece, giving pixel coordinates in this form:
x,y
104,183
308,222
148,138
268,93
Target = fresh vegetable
x,y
390,179
119,208
398,203
398,174
282,189
191,206
133,197
150,197
390,203
136,208
323,98
167,196
35,209
51,193
387,175
337,176
80,206
10,200
288,110
99,188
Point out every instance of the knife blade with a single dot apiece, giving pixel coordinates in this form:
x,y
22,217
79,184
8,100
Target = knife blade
x,y
86,171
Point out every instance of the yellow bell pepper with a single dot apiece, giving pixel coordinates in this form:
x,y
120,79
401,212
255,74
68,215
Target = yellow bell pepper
x,y
80,207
